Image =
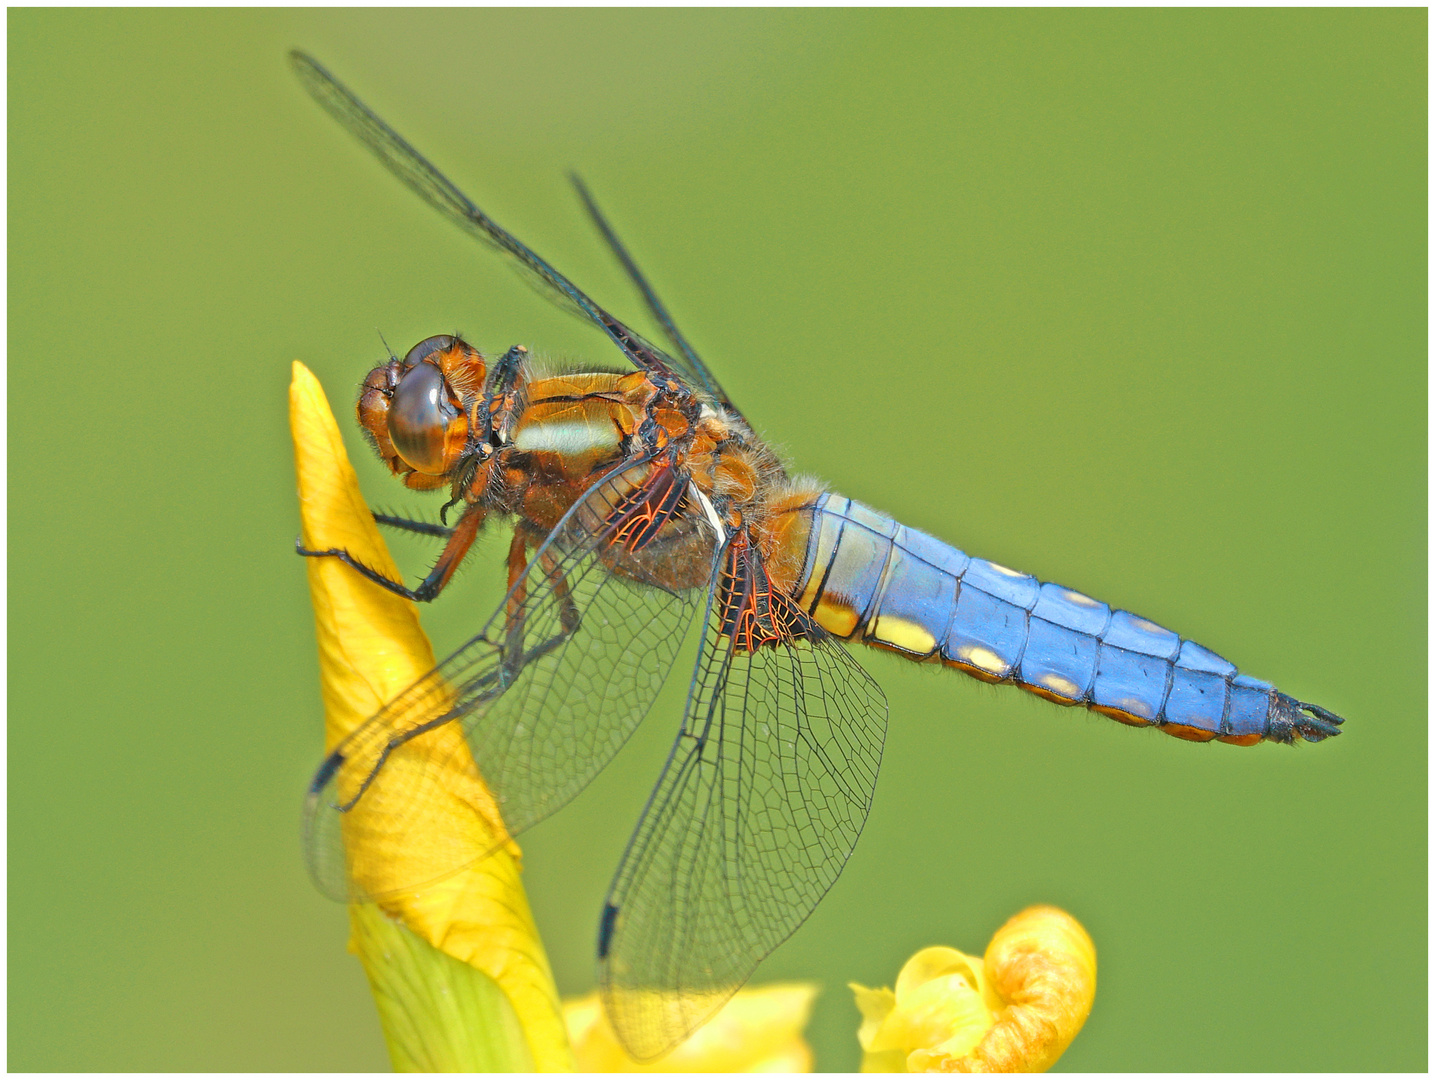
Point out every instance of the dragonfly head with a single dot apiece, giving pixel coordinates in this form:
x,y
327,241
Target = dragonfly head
x,y
416,410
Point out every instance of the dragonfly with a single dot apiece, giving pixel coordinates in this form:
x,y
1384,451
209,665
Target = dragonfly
x,y
643,504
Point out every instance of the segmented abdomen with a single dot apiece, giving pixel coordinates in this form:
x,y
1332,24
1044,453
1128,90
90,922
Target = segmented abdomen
x,y
870,579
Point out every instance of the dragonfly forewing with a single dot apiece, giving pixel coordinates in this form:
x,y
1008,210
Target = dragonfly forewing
x,y
541,699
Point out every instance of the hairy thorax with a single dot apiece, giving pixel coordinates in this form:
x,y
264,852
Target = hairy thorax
x,y
508,437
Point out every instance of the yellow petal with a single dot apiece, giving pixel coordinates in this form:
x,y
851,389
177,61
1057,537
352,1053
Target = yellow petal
x,y
1043,963
370,643
946,1013
935,962
1015,1010
939,1003
438,1015
371,647
875,1006
758,1030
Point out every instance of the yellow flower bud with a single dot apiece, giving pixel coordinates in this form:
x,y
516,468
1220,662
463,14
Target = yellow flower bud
x,y
1015,1010
457,968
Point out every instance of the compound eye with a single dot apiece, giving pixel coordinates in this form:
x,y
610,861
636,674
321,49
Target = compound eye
x,y
427,347
418,419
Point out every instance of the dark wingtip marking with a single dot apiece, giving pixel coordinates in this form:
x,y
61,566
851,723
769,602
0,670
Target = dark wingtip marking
x,y
327,769
606,926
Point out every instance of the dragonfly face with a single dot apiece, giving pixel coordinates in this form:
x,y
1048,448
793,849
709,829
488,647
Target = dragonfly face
x,y
417,412
643,503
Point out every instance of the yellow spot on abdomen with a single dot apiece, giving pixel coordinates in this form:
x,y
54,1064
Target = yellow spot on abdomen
x,y
983,658
903,634
1136,707
1059,684
835,617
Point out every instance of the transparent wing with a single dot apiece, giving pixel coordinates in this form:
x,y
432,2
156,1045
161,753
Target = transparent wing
x,y
438,191
541,699
759,806
689,362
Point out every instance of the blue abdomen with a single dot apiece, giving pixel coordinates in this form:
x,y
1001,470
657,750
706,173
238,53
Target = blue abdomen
x,y
869,579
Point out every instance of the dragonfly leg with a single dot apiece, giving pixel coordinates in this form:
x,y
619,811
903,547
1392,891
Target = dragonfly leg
x,y
515,655
459,541
412,525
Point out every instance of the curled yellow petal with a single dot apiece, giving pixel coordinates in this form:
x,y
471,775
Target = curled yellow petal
x,y
941,1002
758,1030
371,647
1015,1010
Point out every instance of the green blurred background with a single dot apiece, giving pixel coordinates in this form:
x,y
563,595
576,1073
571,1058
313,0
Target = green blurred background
x,y
1133,301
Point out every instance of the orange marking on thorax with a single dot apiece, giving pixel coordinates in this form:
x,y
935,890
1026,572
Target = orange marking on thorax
x,y
580,410
735,478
